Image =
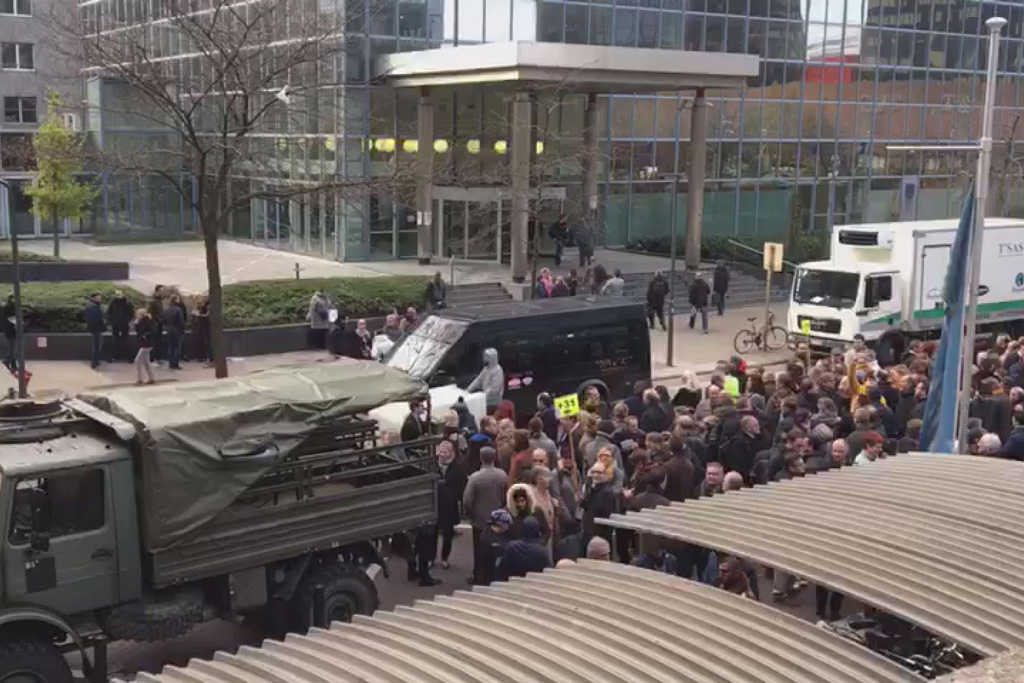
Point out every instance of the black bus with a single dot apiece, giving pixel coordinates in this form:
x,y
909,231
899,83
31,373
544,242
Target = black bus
x,y
560,346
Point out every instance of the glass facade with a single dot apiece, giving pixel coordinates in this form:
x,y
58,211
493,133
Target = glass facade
x,y
801,147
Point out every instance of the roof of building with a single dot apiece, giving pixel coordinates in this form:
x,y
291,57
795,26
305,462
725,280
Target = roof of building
x,y
578,68
593,622
540,307
933,539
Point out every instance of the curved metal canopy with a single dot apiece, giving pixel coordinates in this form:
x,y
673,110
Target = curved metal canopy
x,y
937,540
594,622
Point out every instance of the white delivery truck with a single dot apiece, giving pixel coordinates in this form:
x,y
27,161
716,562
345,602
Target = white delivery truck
x,y
886,275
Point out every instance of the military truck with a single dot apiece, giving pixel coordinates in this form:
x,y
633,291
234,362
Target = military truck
x,y
138,513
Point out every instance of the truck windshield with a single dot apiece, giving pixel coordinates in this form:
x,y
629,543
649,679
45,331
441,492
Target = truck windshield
x,y
419,352
826,288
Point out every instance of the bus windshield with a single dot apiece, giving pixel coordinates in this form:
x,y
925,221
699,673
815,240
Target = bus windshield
x,y
419,352
826,288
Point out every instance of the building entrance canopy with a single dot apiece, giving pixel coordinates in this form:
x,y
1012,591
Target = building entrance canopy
x,y
580,69
526,68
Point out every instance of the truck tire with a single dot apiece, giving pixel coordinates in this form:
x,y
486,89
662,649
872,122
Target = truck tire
x,y
32,661
152,619
347,591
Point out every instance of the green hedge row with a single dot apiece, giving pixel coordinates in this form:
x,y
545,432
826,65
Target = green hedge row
x,y
28,256
57,307
280,302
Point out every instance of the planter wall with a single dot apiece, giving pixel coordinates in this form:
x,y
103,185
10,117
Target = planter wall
x,y
69,271
240,342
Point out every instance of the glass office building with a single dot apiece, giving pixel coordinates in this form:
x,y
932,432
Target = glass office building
x,y
801,147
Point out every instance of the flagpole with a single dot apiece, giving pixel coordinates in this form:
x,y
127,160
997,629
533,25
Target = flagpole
x,y
995,25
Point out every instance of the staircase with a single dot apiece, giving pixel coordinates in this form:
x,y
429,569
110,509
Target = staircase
x,y
480,294
744,289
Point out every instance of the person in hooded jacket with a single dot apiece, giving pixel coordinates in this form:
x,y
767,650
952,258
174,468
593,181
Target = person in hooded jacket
x,y
494,537
491,380
522,506
657,290
525,554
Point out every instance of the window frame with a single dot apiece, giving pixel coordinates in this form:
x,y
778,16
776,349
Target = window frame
x,y
101,476
17,6
17,56
21,99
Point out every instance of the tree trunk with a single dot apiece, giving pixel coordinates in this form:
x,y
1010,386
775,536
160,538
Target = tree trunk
x,y
56,236
220,361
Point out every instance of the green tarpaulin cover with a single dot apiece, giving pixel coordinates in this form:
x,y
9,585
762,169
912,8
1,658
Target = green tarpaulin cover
x,y
202,444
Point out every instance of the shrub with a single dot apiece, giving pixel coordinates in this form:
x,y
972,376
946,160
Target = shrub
x,y
283,302
57,306
28,257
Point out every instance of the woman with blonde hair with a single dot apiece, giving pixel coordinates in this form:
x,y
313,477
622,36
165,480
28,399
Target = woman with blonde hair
x,y
145,332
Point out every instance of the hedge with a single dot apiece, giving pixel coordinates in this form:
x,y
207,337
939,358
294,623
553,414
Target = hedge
x,y
28,257
57,306
281,302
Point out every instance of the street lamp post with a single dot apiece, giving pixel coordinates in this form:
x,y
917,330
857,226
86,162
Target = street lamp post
x,y
19,326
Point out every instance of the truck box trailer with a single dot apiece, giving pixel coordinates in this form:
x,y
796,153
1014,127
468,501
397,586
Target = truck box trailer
x,y
887,275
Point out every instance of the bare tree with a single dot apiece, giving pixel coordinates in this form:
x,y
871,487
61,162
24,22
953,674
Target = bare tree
x,y
225,102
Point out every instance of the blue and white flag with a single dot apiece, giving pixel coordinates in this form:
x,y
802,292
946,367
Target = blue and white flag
x,y
940,412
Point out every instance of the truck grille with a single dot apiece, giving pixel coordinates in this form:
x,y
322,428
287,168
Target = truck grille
x,y
827,325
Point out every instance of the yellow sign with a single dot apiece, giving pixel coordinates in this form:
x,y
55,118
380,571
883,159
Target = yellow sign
x,y
805,327
567,405
773,256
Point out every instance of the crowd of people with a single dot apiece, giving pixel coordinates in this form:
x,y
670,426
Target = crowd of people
x,y
164,328
532,494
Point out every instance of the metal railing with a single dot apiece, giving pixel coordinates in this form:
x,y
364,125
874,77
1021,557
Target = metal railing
x,y
751,249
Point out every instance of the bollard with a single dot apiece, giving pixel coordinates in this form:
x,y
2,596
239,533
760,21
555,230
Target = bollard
x,y
298,268
319,606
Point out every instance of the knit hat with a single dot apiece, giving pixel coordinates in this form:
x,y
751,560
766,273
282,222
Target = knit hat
x,y
501,518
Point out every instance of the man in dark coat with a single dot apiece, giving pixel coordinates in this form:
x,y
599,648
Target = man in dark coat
x,y
679,483
657,290
559,234
174,324
721,285
120,313
995,411
635,403
526,554
436,293
7,321
94,324
737,454
1013,448
698,296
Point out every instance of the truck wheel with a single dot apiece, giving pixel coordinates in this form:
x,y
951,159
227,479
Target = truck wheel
x,y
348,591
152,619
32,661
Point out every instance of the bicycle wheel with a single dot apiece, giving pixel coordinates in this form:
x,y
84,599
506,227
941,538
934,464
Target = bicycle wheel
x,y
745,342
776,338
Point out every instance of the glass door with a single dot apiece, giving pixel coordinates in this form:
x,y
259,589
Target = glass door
x,y
482,230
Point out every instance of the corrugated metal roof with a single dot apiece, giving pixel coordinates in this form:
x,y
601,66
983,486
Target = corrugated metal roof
x,y
937,540
594,622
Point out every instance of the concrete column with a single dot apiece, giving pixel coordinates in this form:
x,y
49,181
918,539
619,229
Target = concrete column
x,y
522,154
590,152
424,176
695,177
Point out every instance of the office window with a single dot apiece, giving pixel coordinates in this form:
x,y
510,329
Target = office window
x,y
16,56
20,110
19,7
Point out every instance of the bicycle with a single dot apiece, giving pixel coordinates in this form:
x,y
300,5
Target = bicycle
x,y
769,337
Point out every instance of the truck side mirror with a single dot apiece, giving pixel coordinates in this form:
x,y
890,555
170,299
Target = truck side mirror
x,y
39,539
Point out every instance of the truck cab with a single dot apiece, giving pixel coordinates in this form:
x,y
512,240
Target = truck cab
x,y
832,302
